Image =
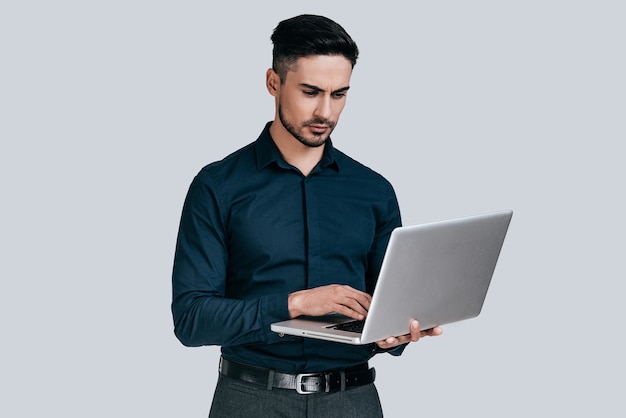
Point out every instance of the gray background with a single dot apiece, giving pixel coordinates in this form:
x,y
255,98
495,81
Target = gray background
x,y
108,109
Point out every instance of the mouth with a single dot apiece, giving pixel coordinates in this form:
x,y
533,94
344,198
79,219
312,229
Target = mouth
x,y
320,129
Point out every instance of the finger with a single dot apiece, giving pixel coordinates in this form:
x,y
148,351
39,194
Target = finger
x,y
416,333
351,302
348,311
362,298
388,342
355,305
433,332
349,308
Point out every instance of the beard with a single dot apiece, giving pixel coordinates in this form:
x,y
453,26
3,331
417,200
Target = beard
x,y
314,140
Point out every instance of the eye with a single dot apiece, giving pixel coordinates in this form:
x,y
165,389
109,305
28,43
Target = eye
x,y
310,93
339,95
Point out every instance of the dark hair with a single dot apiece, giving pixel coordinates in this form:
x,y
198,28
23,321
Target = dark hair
x,y
307,35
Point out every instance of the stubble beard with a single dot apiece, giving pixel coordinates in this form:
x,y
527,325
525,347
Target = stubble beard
x,y
313,141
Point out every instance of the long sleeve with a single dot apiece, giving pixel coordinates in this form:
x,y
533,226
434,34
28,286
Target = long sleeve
x,y
203,315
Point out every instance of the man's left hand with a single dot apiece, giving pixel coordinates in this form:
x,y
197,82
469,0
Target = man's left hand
x,y
414,336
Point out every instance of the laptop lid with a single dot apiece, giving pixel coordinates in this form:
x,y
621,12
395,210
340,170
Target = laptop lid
x,y
437,273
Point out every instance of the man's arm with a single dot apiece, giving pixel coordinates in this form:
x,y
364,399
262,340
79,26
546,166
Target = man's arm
x,y
202,314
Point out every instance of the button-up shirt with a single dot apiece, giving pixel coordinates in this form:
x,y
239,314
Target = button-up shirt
x,y
254,229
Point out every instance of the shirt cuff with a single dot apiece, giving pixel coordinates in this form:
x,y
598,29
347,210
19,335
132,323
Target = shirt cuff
x,y
274,308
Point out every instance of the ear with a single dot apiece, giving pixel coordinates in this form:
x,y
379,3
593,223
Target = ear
x,y
272,82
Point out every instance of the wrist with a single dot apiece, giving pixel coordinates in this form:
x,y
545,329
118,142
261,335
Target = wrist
x,y
293,304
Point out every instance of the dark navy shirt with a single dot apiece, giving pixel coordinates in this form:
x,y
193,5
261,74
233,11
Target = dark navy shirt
x,y
254,229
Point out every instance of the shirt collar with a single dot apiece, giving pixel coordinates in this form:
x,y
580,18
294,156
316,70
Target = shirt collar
x,y
267,152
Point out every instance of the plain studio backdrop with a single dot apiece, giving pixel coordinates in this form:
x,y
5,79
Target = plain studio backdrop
x,y
108,110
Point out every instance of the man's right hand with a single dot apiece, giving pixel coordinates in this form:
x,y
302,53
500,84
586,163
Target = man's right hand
x,y
334,298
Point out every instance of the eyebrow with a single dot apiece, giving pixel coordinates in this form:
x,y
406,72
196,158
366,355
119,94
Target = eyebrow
x,y
312,87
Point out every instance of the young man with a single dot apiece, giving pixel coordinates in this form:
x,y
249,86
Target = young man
x,y
288,226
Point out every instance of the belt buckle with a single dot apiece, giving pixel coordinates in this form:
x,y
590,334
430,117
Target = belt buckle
x,y
300,383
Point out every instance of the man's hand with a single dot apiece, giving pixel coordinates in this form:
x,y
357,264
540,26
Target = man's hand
x,y
341,299
414,336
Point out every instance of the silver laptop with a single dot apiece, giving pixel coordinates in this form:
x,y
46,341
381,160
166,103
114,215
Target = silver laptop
x,y
437,273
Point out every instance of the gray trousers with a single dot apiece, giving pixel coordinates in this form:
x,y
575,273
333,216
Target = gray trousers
x,y
234,398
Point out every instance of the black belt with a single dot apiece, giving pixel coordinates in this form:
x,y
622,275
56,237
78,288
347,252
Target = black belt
x,y
303,383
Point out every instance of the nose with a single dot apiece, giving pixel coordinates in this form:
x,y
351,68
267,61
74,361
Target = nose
x,y
323,108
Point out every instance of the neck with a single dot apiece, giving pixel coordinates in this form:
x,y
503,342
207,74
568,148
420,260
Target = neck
x,y
301,156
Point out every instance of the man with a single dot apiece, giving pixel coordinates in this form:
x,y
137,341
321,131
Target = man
x,y
288,226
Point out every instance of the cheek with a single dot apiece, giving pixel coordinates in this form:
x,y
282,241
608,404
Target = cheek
x,y
338,108
298,109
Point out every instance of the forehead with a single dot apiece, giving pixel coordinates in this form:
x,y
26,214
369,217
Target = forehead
x,y
321,70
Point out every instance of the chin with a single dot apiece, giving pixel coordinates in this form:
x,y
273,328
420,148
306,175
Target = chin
x,y
312,142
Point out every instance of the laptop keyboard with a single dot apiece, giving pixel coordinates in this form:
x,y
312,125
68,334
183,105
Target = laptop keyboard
x,y
351,326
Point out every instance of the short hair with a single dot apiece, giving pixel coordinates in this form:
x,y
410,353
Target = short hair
x,y
308,35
